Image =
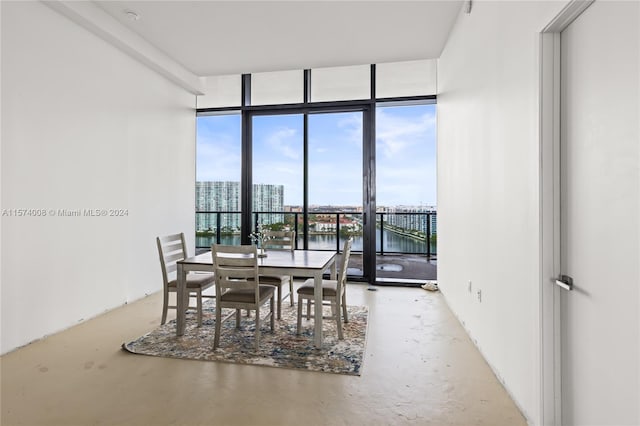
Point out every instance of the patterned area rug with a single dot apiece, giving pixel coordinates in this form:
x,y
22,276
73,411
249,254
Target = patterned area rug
x,y
280,348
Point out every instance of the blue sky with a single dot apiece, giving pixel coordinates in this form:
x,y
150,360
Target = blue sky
x,y
405,150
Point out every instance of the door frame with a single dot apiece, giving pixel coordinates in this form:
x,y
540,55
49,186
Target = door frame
x,y
550,197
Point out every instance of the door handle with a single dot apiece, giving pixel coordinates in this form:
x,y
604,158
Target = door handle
x,y
565,282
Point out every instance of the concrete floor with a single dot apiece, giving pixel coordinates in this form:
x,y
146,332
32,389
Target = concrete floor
x,y
420,368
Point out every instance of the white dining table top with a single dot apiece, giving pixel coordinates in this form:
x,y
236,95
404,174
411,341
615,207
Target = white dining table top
x,y
304,259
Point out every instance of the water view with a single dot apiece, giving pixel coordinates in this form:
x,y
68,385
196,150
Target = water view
x,y
393,243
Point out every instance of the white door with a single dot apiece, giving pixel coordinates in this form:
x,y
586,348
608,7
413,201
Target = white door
x,y
599,215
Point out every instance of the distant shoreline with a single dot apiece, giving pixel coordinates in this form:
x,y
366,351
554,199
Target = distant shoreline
x,y
415,235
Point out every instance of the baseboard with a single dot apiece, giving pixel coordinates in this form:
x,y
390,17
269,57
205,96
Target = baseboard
x,y
524,412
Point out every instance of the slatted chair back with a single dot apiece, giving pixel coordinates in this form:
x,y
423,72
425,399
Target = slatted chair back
x,y
237,287
171,249
333,292
281,240
342,273
236,268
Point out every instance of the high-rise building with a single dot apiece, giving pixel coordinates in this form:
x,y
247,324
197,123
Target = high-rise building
x,y
217,196
268,198
224,196
402,217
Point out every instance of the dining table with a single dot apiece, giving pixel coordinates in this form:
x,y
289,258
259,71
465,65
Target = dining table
x,y
298,263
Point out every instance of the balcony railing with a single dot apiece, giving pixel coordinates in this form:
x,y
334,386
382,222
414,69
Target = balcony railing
x,y
397,233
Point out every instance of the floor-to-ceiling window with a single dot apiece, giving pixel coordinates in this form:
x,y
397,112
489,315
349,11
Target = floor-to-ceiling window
x,y
330,153
218,171
406,191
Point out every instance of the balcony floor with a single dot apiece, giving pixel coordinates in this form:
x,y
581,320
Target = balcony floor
x,y
409,268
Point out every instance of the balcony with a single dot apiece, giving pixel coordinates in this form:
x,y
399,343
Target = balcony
x,y
406,243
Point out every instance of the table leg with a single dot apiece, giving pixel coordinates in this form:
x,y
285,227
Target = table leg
x,y
181,276
333,270
317,281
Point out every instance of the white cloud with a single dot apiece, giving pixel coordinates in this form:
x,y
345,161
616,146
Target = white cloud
x,y
395,134
352,124
405,156
218,158
286,142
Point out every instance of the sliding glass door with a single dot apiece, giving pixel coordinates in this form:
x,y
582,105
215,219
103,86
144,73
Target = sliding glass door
x,y
335,190
307,176
278,172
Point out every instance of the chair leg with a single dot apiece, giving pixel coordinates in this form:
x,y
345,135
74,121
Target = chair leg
x,y
308,309
290,290
216,339
238,318
279,287
338,319
299,325
199,298
257,327
273,324
344,307
165,307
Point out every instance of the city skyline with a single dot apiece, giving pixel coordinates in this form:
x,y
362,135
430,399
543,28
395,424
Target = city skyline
x,y
224,197
236,201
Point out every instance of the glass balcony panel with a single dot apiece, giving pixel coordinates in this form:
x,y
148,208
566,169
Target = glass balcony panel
x,y
206,226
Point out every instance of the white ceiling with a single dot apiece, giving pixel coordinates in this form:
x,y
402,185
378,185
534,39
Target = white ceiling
x,y
231,37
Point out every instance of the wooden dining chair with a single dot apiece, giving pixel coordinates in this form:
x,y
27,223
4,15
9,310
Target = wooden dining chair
x,y
171,249
333,292
238,286
280,240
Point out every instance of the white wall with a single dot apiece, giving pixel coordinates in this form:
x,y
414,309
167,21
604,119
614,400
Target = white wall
x,y
84,126
488,186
